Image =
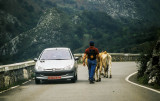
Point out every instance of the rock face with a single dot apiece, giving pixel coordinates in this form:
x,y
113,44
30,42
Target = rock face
x,y
153,66
115,8
7,24
46,31
50,31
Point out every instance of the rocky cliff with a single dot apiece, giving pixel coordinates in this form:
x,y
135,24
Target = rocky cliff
x,y
114,8
153,66
47,33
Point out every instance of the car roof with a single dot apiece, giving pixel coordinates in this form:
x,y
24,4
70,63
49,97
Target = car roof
x,y
65,48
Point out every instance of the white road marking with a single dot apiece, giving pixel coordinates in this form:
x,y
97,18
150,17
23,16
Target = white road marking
x,y
127,79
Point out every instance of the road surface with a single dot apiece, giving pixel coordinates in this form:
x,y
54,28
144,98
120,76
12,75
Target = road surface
x,y
115,89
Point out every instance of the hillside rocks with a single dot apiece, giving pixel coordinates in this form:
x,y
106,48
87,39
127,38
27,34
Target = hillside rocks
x,y
153,66
8,23
115,8
32,25
34,35
7,18
47,33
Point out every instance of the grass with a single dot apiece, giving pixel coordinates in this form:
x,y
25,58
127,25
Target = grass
x,y
144,81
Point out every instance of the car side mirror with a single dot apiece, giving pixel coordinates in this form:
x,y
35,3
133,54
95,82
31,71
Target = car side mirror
x,y
76,58
35,59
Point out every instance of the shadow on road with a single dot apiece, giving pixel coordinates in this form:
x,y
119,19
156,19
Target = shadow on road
x,y
55,82
82,81
60,82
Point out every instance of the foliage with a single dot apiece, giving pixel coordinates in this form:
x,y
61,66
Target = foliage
x,y
146,52
143,80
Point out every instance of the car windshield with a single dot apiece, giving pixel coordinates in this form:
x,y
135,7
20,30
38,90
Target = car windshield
x,y
56,54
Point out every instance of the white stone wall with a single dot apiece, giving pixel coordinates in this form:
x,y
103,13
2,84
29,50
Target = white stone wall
x,y
15,73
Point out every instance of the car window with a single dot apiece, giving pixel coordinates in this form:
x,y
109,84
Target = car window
x,y
56,54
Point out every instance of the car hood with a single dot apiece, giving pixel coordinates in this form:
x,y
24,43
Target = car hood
x,y
49,64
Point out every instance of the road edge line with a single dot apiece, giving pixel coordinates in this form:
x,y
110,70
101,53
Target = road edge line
x,y
127,79
14,87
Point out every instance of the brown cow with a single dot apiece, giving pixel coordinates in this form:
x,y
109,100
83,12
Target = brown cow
x,y
105,64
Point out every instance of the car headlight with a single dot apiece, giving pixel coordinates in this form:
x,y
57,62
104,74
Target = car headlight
x,y
39,68
69,67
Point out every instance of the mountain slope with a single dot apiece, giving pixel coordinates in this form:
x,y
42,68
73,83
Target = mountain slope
x,y
115,26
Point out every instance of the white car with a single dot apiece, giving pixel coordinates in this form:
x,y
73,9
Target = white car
x,y
55,64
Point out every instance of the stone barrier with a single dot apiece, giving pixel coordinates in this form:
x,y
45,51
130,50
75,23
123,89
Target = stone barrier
x,y
116,57
124,57
15,73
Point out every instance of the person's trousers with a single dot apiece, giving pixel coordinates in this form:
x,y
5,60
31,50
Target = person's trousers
x,y
91,68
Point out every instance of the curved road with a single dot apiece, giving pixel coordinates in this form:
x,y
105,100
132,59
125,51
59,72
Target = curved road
x,y
115,89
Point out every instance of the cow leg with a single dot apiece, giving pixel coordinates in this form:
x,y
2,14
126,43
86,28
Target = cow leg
x,y
96,74
110,72
97,79
107,71
100,70
104,71
110,68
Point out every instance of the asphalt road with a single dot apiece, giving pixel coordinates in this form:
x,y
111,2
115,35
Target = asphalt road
x,y
114,89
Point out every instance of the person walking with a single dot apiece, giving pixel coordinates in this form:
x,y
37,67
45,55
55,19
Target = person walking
x,y
91,53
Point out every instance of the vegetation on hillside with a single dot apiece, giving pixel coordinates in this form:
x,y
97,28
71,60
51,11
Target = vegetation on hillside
x,y
149,62
77,26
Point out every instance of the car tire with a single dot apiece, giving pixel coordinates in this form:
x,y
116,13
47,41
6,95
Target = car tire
x,y
74,79
37,81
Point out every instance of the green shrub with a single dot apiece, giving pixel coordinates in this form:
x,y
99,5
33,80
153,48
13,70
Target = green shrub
x,y
143,80
145,56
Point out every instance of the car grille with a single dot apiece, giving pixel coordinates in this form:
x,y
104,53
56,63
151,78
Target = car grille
x,y
53,73
54,69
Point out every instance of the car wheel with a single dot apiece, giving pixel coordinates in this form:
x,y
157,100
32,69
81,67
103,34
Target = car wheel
x,y
37,81
74,79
